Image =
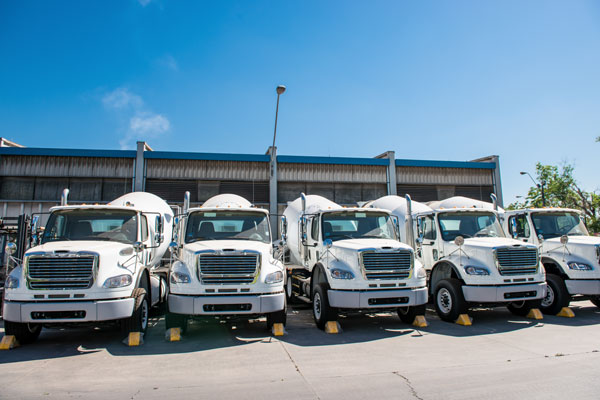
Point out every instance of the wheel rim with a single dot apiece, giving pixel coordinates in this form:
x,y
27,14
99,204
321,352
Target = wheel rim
x,y
403,310
518,304
549,299
31,328
444,300
288,287
144,314
317,305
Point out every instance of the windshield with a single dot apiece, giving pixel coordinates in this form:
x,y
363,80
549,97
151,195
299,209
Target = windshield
x,y
469,224
111,225
231,225
556,224
352,225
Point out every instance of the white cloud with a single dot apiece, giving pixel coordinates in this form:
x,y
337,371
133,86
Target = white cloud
x,y
149,124
169,61
143,124
122,98
144,3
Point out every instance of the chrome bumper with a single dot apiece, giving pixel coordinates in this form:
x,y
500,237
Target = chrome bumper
x,y
377,298
583,286
504,293
220,305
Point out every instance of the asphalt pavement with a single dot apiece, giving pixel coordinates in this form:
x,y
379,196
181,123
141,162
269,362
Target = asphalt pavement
x,y
500,356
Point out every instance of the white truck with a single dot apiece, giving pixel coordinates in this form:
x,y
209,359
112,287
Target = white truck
x,y
349,259
93,263
223,264
468,258
569,254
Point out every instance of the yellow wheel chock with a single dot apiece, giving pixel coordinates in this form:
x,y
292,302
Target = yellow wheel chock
x,y
277,329
332,327
134,339
535,313
464,320
420,321
173,334
566,312
8,342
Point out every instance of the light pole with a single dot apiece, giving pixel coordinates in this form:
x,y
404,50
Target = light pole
x,y
273,179
539,186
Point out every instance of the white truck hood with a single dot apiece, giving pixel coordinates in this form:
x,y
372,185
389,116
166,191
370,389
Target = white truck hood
x,y
100,247
491,242
361,244
577,240
229,244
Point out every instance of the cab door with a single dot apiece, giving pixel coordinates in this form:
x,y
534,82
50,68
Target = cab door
x,y
429,246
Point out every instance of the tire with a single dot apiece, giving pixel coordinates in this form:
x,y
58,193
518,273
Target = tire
x,y
557,295
277,317
522,308
596,301
138,322
322,311
289,291
24,332
408,314
176,321
449,300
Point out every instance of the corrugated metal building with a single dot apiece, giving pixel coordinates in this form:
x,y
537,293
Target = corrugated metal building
x,y
32,179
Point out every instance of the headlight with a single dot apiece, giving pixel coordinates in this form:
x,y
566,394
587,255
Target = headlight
x,y
471,270
421,273
11,282
117,281
179,277
274,277
341,274
580,266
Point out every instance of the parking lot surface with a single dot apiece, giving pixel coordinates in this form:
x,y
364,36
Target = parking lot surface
x,y
500,356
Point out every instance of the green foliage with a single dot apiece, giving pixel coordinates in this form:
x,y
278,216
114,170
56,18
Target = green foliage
x,y
561,190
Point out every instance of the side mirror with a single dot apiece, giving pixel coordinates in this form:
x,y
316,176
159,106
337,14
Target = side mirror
x,y
396,222
138,247
303,235
328,243
159,224
541,237
173,247
513,225
283,228
11,248
419,241
564,239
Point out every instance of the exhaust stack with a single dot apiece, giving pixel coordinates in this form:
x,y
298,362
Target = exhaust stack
x,y
64,197
303,196
494,201
186,202
410,235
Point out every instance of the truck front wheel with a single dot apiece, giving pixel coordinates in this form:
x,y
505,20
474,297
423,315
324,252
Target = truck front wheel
x,y
449,300
277,317
138,322
557,295
176,321
25,333
522,308
322,311
408,314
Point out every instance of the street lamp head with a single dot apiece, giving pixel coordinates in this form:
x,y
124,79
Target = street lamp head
x,y
280,89
523,173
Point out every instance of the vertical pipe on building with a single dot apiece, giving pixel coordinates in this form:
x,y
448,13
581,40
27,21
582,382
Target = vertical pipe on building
x,y
273,192
392,183
139,168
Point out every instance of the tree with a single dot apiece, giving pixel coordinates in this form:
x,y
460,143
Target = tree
x,y
561,190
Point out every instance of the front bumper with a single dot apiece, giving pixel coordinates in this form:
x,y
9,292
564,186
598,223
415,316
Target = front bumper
x,y
583,286
377,298
67,311
504,293
220,305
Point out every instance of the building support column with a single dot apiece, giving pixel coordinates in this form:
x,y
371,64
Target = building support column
x,y
273,209
497,181
392,184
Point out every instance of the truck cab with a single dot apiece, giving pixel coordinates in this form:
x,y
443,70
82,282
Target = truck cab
x,y
571,257
468,258
93,263
223,264
344,259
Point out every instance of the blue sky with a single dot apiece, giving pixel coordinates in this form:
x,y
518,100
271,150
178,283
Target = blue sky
x,y
446,80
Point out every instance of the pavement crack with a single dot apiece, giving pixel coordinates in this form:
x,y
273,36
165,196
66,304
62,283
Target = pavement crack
x,y
298,370
410,386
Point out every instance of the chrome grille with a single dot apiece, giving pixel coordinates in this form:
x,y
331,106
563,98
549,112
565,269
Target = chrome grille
x,y
386,265
231,269
517,261
61,272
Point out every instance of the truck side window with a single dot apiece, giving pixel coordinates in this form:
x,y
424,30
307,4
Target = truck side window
x,y
314,234
523,230
144,228
429,231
